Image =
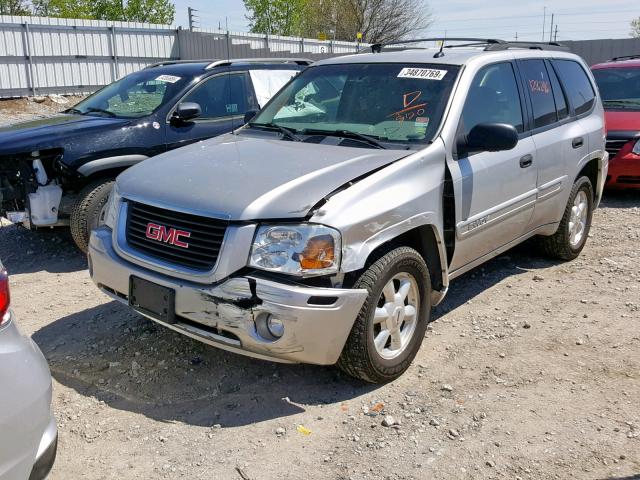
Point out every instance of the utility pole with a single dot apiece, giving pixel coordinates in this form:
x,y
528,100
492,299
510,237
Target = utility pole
x,y
555,35
551,29
516,36
544,21
192,18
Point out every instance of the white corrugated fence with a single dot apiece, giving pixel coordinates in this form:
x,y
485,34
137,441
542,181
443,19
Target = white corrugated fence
x,y
39,55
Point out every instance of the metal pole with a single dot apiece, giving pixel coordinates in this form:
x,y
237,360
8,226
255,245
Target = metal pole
x,y
114,67
190,14
551,29
228,45
28,55
544,21
114,46
555,35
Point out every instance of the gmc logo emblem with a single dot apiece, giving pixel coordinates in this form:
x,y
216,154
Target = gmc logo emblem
x,y
160,233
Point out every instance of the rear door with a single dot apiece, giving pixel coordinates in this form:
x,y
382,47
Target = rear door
x,y
558,138
224,99
495,191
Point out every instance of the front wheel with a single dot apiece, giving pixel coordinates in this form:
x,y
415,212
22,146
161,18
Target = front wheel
x,y
90,210
390,326
571,236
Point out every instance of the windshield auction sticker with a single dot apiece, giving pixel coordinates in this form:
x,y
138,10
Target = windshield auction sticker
x,y
424,73
167,78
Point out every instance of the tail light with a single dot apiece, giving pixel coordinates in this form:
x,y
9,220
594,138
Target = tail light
x,y
4,297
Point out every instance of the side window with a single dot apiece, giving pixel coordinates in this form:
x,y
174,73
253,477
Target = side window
x,y
493,98
538,84
221,96
558,95
577,85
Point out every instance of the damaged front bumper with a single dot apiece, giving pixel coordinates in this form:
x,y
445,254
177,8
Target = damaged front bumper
x,y
228,315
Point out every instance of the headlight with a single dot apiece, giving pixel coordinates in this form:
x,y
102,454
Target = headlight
x,y
302,249
636,148
111,208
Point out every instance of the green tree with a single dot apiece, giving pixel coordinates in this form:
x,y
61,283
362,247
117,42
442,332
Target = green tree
x,y
635,28
276,17
148,11
377,20
13,7
62,8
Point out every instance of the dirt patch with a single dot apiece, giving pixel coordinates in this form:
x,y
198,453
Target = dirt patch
x,y
530,370
22,109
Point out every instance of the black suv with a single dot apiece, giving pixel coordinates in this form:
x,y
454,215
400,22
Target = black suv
x,y
59,170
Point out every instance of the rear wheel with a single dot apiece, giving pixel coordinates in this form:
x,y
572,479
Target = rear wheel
x,y
571,236
90,210
388,332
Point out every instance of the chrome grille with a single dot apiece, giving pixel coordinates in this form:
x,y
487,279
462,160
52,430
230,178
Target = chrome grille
x,y
206,235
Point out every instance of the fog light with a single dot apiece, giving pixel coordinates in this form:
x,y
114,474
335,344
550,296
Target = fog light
x,y
275,326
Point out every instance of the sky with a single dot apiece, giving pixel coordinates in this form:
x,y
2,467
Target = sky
x,y
576,19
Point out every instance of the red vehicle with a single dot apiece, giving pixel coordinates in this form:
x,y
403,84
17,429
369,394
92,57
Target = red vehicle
x,y
619,84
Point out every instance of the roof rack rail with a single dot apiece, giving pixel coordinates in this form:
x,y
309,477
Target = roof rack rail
x,y
211,63
529,45
174,62
490,44
625,57
233,61
377,47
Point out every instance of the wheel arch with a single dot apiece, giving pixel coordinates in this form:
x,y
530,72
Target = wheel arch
x,y
107,166
428,242
593,169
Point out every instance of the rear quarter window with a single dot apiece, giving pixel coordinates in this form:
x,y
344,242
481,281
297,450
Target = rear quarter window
x,y
538,85
576,83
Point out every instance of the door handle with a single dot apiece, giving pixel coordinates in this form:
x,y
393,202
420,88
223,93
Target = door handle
x,y
577,142
526,161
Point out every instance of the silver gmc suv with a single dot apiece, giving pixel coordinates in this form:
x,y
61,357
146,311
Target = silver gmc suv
x,y
325,229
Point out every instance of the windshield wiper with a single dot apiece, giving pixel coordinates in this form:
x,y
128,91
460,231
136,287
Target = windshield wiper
x,y
99,110
346,134
274,126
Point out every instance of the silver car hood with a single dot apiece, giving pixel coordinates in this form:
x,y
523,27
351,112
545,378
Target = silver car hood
x,y
241,177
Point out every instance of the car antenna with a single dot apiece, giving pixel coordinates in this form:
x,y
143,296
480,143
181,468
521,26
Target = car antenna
x,y
440,53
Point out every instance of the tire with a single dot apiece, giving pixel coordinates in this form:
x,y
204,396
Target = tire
x,y
562,244
87,211
360,358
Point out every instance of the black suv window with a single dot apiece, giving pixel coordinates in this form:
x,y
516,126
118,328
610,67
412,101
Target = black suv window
x,y
493,98
577,85
221,96
538,84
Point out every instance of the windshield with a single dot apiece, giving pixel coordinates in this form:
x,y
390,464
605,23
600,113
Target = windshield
x,y
619,87
388,102
133,96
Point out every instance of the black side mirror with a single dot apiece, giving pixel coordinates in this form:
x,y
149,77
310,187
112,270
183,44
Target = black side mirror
x,y
249,116
187,111
490,137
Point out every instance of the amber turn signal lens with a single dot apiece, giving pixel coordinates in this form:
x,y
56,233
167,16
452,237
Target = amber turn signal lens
x,y
318,253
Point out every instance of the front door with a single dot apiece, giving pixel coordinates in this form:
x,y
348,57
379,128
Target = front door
x,y
495,192
223,98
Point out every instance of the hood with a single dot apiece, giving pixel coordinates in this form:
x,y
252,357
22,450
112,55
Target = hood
x,y
245,178
618,120
52,132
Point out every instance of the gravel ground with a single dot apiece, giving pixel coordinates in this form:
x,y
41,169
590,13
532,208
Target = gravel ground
x,y
530,370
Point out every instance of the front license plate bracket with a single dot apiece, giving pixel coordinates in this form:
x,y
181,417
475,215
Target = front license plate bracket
x,y
151,299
